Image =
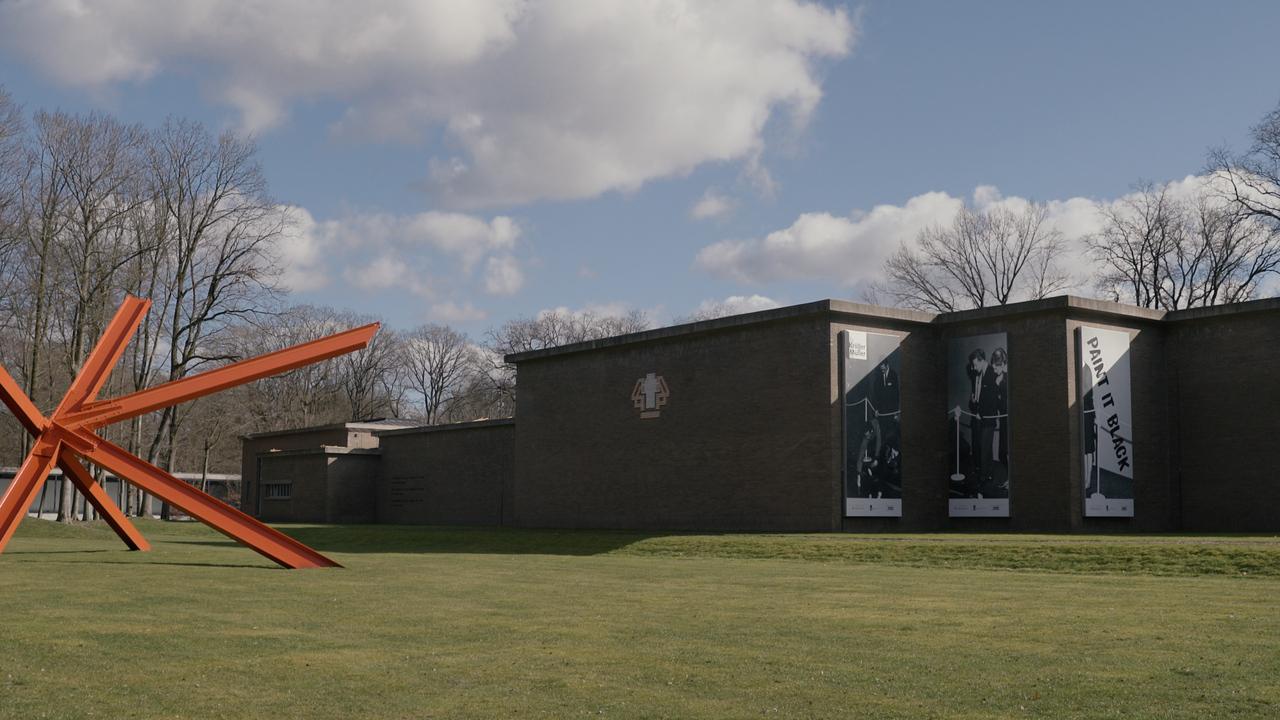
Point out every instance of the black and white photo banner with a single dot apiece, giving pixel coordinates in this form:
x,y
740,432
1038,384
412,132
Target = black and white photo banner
x,y
978,425
871,387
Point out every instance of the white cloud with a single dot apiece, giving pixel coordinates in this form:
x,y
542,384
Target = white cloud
x,y
821,245
733,305
299,251
554,99
712,204
503,276
851,250
451,312
433,254
597,310
383,273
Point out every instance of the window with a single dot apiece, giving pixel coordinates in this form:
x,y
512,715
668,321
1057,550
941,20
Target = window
x,y
277,490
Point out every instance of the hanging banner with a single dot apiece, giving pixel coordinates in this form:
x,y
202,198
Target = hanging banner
x,y
1106,422
978,425
870,381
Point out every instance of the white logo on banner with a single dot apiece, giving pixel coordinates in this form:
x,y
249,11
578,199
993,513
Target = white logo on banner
x,y
857,345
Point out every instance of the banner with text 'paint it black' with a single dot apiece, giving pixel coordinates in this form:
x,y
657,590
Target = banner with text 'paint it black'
x,y
978,425
1106,422
871,392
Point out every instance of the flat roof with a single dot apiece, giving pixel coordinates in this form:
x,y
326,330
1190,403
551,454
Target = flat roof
x,y
469,425
372,425
846,310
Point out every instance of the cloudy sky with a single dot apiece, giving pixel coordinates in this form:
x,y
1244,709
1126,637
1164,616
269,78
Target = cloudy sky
x,y
469,162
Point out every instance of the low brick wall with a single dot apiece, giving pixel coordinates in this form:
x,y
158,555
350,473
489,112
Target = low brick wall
x,y
446,474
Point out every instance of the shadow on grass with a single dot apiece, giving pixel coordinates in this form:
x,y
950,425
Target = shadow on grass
x,y
149,561
453,540
52,552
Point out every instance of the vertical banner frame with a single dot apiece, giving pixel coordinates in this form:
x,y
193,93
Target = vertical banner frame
x,y
1104,393
871,437
980,448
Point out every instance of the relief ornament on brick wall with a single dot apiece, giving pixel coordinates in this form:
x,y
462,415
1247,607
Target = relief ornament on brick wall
x,y
649,395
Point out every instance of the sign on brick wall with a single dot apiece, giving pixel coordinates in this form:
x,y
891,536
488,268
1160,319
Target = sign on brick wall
x,y
649,395
871,383
978,425
1106,422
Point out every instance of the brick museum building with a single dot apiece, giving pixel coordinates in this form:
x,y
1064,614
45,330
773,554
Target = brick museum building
x,y
1063,414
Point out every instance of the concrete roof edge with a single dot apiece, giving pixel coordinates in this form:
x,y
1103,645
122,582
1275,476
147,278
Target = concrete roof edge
x,y
321,450
730,321
1213,311
853,310
294,431
470,425
1057,303
354,425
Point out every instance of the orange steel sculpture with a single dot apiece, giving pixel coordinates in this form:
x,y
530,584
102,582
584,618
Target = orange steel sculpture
x,y
69,433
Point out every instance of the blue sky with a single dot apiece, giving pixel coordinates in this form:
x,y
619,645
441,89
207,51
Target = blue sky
x,y
473,162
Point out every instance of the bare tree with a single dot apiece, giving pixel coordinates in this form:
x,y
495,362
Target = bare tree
x,y
1140,232
307,396
221,230
14,160
12,137
357,386
438,362
1253,177
372,379
1223,253
1160,251
551,328
990,257
99,163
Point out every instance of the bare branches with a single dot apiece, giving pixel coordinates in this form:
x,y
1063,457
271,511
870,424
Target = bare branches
x,y
1167,252
992,257
1139,232
438,362
1252,179
549,329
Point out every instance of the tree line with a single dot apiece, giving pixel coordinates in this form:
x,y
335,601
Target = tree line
x,y
92,208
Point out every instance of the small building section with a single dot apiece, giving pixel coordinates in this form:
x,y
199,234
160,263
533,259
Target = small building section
x,y
257,446
330,484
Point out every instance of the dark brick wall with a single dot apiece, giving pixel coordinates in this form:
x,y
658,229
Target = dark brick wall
x,y
446,475
329,485
308,471
351,487
1227,374
743,444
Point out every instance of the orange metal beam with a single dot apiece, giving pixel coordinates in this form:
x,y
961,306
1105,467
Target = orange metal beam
x,y
22,491
97,367
20,405
93,375
68,433
97,496
208,510
106,412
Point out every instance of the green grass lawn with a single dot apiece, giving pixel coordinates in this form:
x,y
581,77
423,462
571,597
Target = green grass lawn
x,y
446,623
